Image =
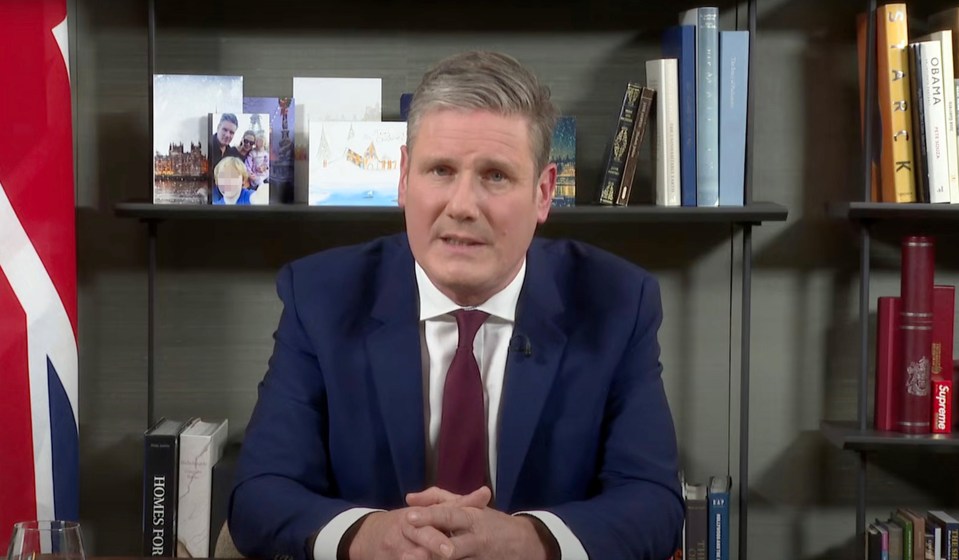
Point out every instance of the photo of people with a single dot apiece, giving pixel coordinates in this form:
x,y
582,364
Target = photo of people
x,y
243,138
182,134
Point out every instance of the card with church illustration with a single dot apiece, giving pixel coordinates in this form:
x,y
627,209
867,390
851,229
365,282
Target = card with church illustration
x,y
563,154
239,158
355,163
181,105
329,99
282,116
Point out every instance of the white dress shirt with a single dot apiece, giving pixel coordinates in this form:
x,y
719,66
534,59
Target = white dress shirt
x,y
438,341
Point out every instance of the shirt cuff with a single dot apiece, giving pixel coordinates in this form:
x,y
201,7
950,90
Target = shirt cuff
x,y
328,539
570,548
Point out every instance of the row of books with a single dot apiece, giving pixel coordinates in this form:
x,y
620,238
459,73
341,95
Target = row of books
x,y
915,373
697,96
706,527
917,156
187,479
908,534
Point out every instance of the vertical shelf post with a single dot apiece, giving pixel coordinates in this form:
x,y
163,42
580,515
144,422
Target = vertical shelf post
x,y
744,393
151,317
868,126
151,224
751,16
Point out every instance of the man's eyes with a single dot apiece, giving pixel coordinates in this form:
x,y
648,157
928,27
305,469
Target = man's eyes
x,y
496,176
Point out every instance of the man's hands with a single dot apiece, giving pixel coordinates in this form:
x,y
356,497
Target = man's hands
x,y
441,524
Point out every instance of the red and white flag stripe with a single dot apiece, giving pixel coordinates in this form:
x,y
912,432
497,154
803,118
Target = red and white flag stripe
x,y
38,299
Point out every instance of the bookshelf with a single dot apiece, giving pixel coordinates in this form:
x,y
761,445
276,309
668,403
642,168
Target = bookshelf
x,y
872,219
190,47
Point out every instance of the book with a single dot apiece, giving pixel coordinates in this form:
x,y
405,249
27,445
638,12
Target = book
x,y
618,146
640,124
910,548
918,530
329,99
220,491
355,163
915,327
718,510
943,326
237,159
406,100
933,538
161,459
733,90
694,546
563,154
201,445
895,540
888,396
941,418
282,117
679,42
948,84
661,76
181,136
707,102
950,533
873,543
932,184
896,173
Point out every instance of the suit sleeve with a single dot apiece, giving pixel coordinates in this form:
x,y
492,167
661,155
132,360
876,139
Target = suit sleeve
x,y
638,511
281,494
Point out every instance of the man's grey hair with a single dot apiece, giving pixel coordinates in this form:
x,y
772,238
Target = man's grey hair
x,y
496,82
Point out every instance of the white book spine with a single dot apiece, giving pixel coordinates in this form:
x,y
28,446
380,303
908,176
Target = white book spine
x,y
945,39
662,76
934,109
198,453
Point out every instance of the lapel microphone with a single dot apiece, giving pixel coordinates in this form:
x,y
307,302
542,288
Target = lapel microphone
x,y
520,343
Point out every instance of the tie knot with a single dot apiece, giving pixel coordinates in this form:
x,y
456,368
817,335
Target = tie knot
x,y
468,321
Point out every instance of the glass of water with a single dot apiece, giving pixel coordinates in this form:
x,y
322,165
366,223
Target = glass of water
x,y
40,540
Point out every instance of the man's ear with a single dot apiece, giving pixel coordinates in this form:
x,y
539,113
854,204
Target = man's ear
x,y
545,187
404,175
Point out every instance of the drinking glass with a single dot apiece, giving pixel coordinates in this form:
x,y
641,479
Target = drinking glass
x,y
42,540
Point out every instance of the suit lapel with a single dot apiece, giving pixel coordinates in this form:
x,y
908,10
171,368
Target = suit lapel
x,y
529,378
393,348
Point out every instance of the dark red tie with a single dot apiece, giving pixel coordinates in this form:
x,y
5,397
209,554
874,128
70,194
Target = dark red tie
x,y
461,451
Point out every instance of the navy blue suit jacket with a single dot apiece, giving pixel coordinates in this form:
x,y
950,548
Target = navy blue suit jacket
x,y
585,429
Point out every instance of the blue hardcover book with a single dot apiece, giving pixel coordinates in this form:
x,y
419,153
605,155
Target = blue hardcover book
x,y
718,511
707,102
950,532
282,148
406,99
679,42
563,154
733,80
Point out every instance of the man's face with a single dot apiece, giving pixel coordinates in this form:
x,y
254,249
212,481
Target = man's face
x,y
246,144
472,199
229,181
225,132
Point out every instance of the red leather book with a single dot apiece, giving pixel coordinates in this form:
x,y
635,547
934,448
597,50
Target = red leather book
x,y
943,321
915,327
942,406
888,397
943,324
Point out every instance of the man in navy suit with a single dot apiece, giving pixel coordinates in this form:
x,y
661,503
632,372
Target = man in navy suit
x,y
344,456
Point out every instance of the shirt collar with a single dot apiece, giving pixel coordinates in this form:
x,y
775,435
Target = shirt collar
x,y
434,303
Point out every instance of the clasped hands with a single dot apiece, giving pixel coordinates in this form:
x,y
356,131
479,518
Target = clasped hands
x,y
442,525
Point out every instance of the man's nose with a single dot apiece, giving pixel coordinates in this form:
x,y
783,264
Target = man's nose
x,y
462,203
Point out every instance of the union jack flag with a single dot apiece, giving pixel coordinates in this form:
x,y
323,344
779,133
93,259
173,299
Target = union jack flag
x,y
38,281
